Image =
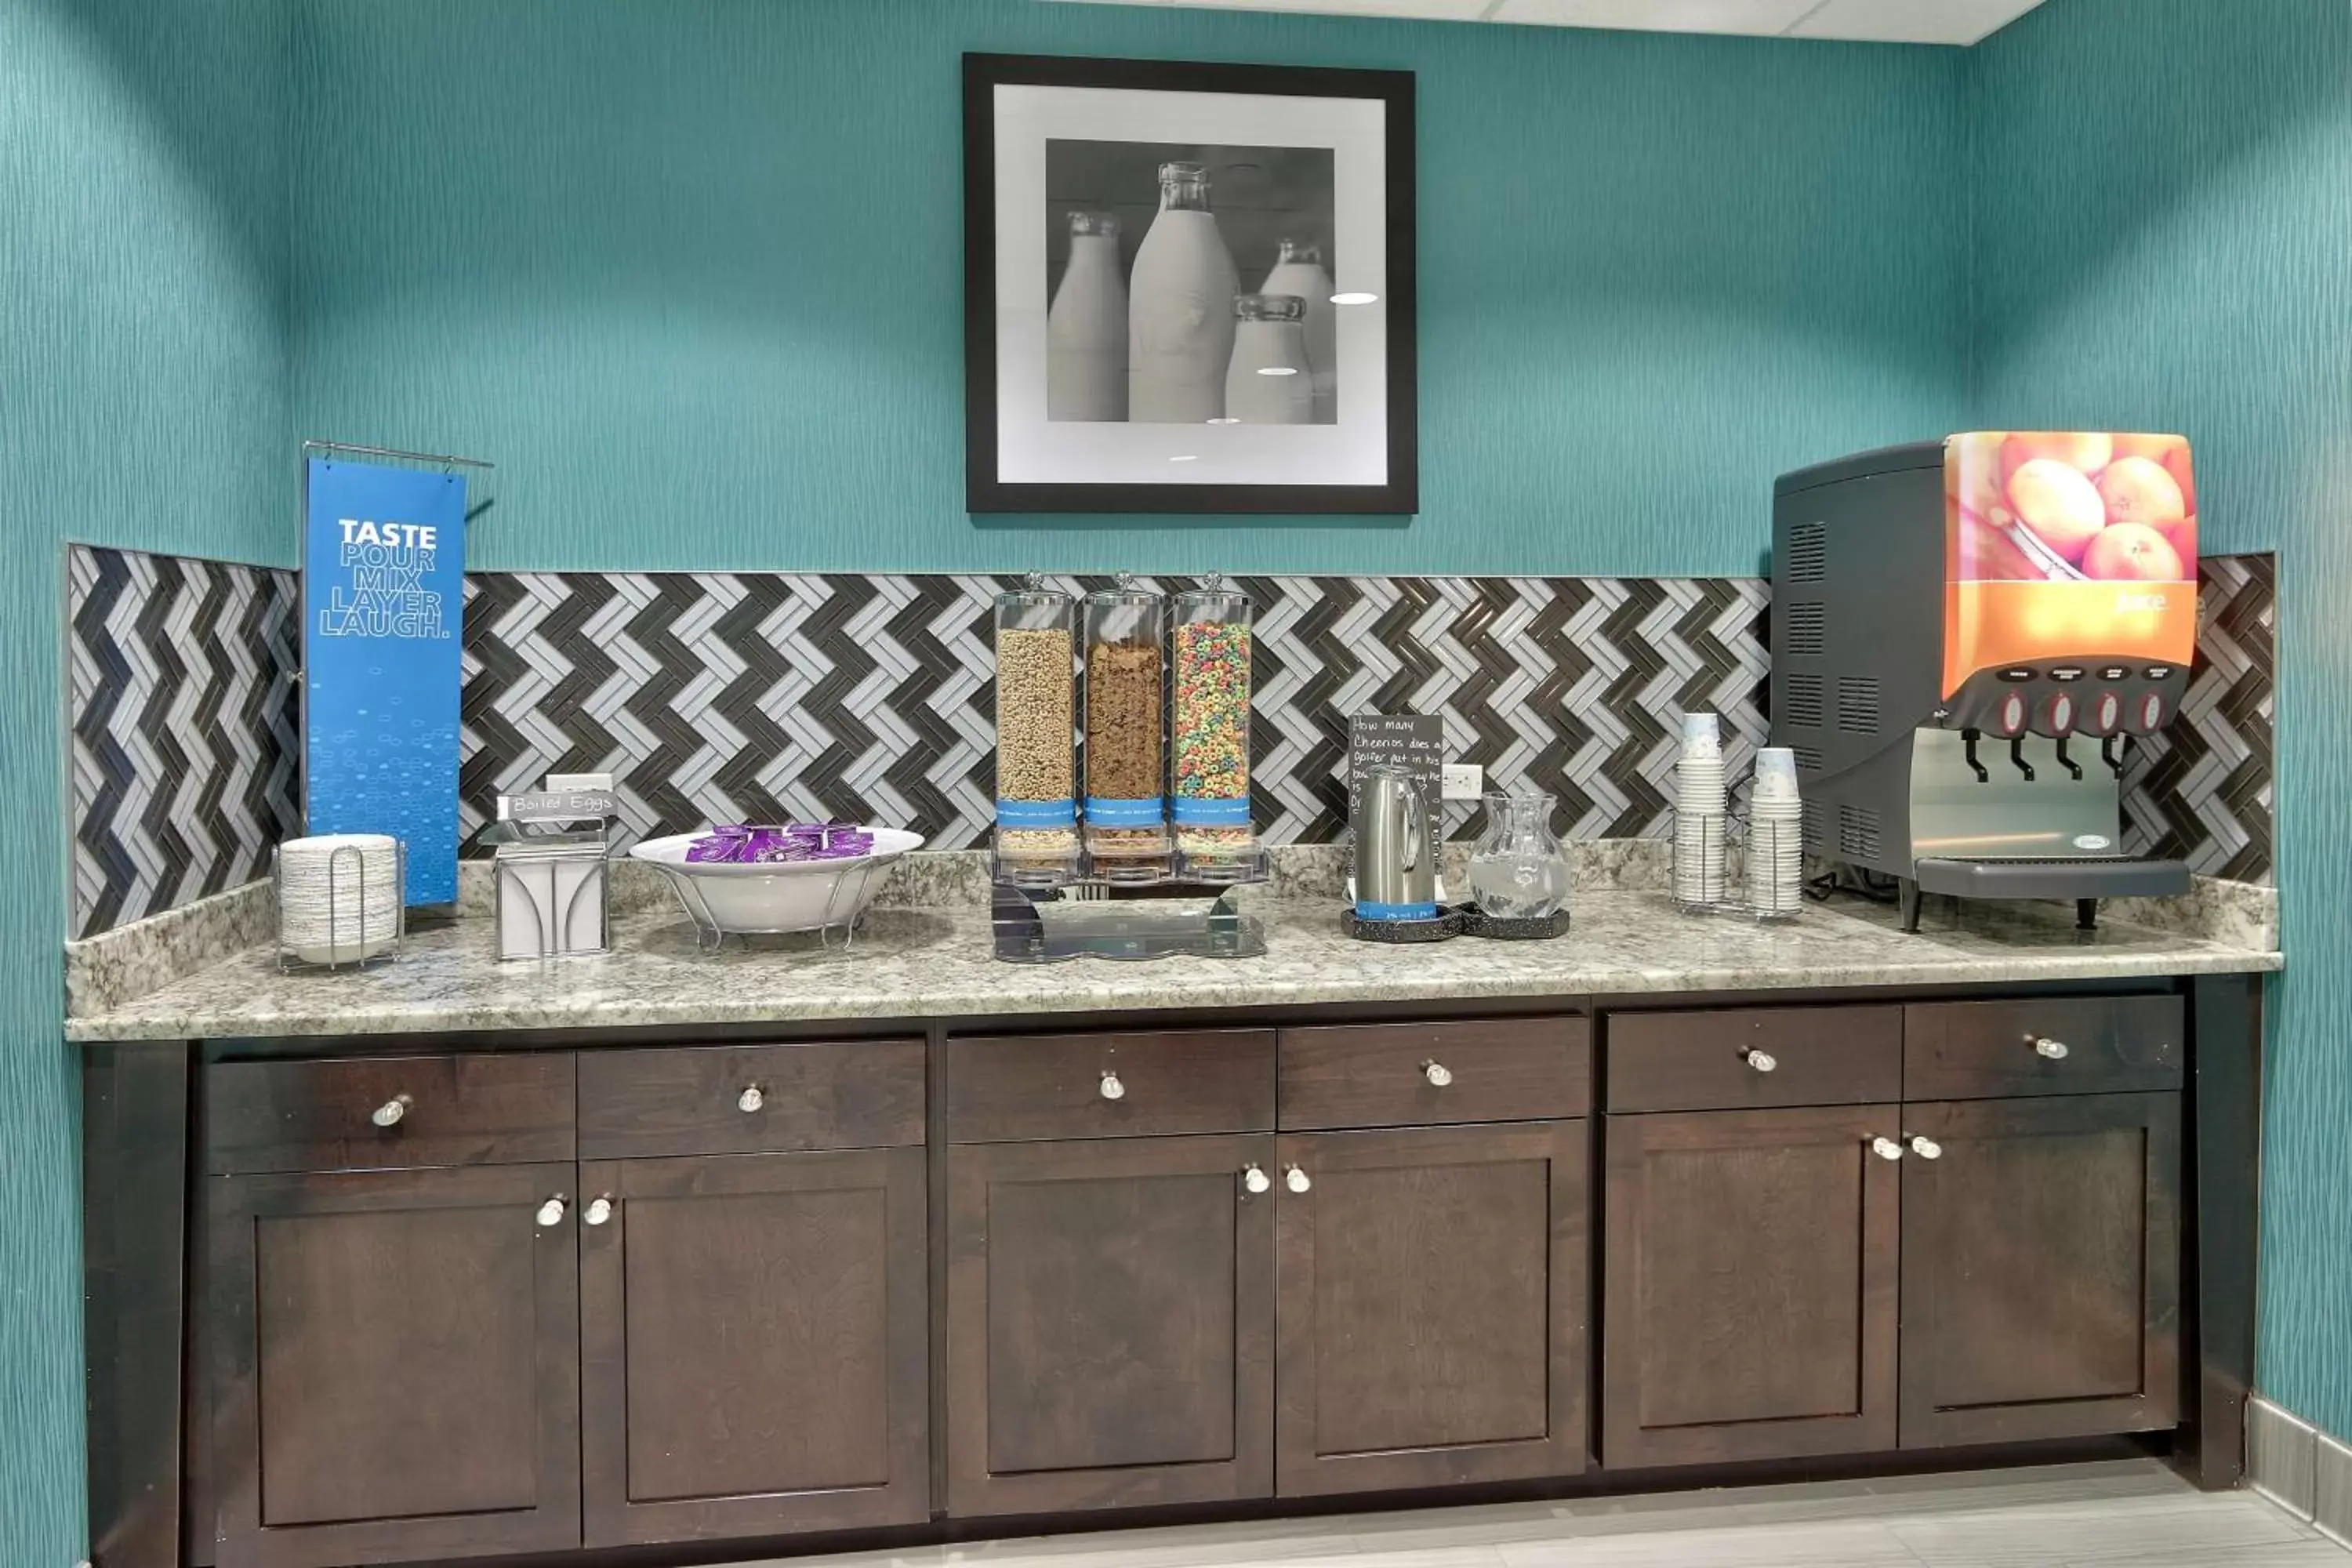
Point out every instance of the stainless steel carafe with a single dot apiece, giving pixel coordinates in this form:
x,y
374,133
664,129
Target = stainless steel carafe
x,y
1396,860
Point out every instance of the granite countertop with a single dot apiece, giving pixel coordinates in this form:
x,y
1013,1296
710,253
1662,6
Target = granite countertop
x,y
917,964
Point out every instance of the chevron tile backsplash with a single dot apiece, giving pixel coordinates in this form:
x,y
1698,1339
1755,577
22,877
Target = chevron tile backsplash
x,y
181,719
761,696
735,697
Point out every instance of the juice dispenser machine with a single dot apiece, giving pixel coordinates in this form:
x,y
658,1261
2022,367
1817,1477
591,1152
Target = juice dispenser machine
x,y
1966,635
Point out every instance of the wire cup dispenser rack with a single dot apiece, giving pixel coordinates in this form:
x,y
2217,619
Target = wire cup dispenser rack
x,y
1718,858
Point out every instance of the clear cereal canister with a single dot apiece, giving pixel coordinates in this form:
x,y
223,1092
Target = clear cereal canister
x,y
1210,730
1126,832
1036,765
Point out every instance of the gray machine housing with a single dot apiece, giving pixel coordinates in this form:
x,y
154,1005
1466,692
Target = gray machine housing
x,y
1898,778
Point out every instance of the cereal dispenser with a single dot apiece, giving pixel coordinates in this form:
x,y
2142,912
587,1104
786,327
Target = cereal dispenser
x,y
1209,733
1036,765
1127,828
1965,633
1085,864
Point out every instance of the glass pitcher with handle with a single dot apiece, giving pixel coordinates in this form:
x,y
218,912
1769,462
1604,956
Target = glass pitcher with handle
x,y
1518,871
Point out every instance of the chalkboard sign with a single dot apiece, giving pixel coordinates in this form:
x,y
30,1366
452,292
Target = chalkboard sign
x,y
1415,741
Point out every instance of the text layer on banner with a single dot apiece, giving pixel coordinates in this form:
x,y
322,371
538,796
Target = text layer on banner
x,y
383,591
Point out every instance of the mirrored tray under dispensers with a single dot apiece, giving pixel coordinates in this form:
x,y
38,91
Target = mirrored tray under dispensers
x,y
1090,917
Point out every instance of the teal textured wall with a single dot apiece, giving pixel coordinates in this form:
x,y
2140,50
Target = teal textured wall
x,y
143,402
2164,241
691,273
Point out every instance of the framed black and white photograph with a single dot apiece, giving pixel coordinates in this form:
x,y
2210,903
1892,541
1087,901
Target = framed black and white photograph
x,y
1188,287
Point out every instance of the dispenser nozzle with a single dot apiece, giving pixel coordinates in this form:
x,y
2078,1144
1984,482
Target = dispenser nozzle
x,y
2017,756
2073,767
1969,739
2107,755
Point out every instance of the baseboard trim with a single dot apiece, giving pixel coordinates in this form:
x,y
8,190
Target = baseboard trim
x,y
2304,1470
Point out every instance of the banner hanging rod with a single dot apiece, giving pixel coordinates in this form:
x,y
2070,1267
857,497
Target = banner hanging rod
x,y
446,462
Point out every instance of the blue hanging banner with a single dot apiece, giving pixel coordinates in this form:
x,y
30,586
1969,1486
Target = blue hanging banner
x,y
383,593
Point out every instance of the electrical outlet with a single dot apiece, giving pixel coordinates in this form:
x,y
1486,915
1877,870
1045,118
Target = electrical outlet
x,y
1463,781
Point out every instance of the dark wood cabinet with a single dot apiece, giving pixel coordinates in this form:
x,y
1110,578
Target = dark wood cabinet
x,y
755,1356
1432,1306
1428,1075
2051,1045
519,1302
1750,1276
395,1365
1754,1058
1110,1323
2040,1268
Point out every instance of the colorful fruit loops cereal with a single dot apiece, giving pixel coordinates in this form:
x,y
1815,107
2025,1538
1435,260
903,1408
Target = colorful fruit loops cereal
x,y
1212,698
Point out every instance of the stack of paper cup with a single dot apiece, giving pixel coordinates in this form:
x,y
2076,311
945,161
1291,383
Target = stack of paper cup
x,y
1701,813
1776,855
339,897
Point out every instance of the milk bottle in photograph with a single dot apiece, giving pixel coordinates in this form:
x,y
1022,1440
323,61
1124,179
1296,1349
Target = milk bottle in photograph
x,y
1270,381
1086,330
1180,313
1300,271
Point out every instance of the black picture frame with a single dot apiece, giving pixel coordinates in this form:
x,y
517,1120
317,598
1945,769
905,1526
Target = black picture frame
x,y
985,491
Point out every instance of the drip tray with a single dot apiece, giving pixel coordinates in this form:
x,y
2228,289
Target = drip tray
x,y
2079,876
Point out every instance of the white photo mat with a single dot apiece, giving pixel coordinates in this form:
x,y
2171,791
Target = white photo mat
x,y
1030,450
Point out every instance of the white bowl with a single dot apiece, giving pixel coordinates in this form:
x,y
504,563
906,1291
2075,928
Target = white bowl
x,y
786,896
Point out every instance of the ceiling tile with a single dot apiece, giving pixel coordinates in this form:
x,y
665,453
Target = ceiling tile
x,y
1888,21
1407,10
1912,21
1764,16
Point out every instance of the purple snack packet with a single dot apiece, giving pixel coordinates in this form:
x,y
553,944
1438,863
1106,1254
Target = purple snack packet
x,y
743,844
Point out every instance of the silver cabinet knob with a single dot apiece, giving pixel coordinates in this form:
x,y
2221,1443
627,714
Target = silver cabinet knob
x,y
389,1113
550,1213
1762,1061
1296,1179
2043,1046
1112,1087
750,1099
1256,1180
598,1211
1438,1074
1926,1148
1887,1147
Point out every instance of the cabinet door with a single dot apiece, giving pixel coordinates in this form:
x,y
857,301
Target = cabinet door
x,y
753,1345
1110,1323
1750,1274
2040,1269
1431,1306
395,1363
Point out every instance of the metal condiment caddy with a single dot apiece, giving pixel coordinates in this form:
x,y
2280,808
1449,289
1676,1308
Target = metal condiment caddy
x,y
554,875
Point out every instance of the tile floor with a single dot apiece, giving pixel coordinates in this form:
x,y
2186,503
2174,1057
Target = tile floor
x,y
2100,1515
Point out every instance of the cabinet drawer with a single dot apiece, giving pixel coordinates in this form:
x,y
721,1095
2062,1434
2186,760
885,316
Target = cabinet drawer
x,y
386,1113
750,1099
1398,1075
1740,1058
1110,1085
2061,1045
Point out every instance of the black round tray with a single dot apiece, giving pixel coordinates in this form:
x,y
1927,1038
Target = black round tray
x,y
1473,923
1399,932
